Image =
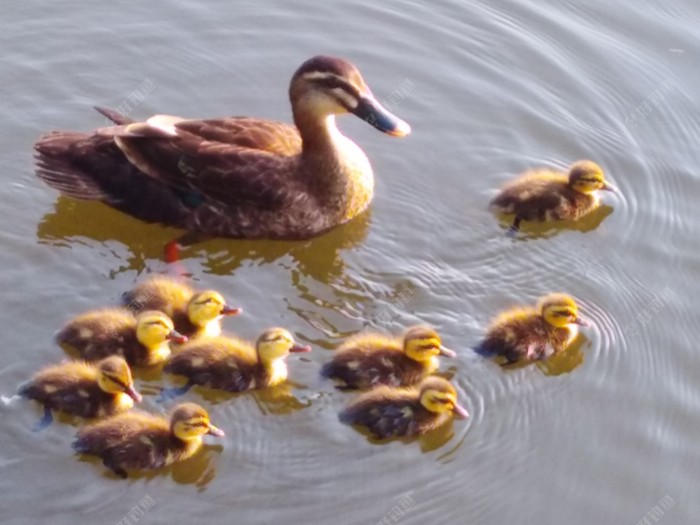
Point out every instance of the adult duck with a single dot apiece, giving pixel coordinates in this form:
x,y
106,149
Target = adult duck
x,y
235,177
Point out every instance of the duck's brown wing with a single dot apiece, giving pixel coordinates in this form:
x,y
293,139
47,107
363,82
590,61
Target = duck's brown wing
x,y
227,173
92,167
265,135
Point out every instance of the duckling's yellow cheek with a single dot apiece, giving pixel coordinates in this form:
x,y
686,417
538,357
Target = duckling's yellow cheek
x,y
212,329
433,364
573,333
124,402
161,354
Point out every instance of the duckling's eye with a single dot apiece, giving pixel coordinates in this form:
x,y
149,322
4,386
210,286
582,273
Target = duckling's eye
x,y
562,313
116,380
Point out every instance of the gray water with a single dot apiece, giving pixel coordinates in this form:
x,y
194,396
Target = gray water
x,y
606,433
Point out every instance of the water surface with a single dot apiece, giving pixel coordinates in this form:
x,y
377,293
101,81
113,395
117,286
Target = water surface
x,y
602,434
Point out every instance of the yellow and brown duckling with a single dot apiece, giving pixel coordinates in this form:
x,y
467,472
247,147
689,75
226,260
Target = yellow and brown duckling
x,y
234,365
550,195
410,411
530,334
368,360
194,313
142,340
141,441
83,389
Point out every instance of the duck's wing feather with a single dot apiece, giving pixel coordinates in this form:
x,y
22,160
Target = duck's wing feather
x,y
216,171
256,134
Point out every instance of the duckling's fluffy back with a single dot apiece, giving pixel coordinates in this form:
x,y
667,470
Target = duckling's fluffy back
x,y
366,343
96,326
542,195
160,292
516,332
390,412
225,363
74,374
101,436
212,350
368,359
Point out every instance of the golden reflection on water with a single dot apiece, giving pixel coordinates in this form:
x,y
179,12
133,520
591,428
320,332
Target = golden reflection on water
x,y
544,230
74,222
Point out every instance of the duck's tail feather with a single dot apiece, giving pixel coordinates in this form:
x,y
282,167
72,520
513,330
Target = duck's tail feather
x,y
113,115
55,155
92,167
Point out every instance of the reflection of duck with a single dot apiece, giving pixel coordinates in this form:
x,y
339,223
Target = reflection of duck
x,y
319,258
140,441
228,363
142,340
194,313
368,359
393,412
530,334
234,177
83,389
548,195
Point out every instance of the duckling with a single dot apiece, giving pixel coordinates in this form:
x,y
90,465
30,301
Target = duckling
x,y
83,389
194,313
370,359
141,441
141,340
548,195
231,364
410,411
529,334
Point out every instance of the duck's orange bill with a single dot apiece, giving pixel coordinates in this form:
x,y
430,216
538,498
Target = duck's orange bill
x,y
372,112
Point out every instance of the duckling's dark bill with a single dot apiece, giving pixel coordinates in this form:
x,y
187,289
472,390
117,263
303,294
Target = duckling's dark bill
x,y
133,394
230,310
444,351
215,431
177,337
460,412
373,113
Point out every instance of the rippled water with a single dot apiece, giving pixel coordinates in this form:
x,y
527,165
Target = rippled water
x,y
602,434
